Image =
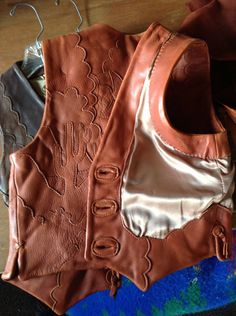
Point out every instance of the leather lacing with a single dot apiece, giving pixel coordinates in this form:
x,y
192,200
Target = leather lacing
x,y
114,280
221,243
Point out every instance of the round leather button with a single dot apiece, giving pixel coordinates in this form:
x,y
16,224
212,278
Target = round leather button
x,y
105,247
103,207
107,173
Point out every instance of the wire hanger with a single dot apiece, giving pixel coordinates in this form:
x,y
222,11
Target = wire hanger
x,y
33,58
57,2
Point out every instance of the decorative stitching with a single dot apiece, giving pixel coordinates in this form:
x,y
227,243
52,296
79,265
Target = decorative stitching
x,y
182,152
54,269
105,113
86,128
91,92
40,172
40,218
82,175
58,285
59,211
67,215
159,53
16,115
149,264
210,209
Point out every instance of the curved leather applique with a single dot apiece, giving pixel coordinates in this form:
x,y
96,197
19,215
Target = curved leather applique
x,y
87,131
145,273
89,75
109,82
105,85
58,285
80,142
209,210
54,216
188,246
40,218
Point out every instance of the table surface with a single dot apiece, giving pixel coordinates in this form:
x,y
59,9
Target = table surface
x,y
130,16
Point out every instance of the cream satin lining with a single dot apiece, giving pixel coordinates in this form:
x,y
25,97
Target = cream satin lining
x,y
163,188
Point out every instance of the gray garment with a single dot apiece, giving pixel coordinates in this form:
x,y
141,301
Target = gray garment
x,y
21,111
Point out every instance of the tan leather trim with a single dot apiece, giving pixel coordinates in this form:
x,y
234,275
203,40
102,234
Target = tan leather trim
x,y
211,146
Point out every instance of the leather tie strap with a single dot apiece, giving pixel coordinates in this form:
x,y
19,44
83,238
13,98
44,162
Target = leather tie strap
x,y
114,279
219,234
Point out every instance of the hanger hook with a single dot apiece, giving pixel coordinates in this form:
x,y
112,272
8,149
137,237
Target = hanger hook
x,y
57,2
13,12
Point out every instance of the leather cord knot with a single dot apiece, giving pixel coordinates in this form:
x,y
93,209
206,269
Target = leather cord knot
x,y
221,243
114,279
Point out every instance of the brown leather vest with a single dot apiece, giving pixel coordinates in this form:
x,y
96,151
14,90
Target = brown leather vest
x,y
156,180
83,76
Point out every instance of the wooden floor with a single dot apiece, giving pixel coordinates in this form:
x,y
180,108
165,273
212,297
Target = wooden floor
x,y
129,16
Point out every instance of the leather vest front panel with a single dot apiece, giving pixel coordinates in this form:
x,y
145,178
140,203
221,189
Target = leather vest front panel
x,y
48,184
23,111
115,242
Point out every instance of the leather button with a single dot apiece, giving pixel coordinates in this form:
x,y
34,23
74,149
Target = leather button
x,y
105,247
103,208
218,230
107,173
